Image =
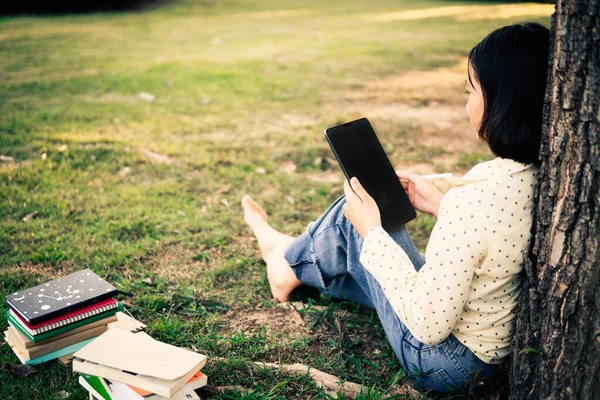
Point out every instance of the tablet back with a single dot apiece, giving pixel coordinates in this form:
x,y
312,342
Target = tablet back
x,y
360,155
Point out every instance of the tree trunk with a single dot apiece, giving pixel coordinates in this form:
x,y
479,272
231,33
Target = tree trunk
x,y
556,348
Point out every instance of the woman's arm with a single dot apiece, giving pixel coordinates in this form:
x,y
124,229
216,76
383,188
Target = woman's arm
x,y
430,302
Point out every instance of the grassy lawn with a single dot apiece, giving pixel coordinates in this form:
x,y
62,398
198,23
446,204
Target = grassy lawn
x,y
146,193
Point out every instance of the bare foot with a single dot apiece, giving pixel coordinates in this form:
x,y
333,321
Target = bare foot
x,y
256,218
272,246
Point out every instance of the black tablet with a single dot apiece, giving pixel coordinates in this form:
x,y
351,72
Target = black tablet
x,y
360,155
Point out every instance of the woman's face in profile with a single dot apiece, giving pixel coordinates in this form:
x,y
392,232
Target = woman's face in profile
x,y
475,101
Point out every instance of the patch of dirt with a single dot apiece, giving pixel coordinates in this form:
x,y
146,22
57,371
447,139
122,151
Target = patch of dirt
x,y
440,124
296,121
41,269
435,125
41,272
468,12
275,14
332,176
442,117
32,74
447,161
322,326
109,98
434,82
179,262
277,321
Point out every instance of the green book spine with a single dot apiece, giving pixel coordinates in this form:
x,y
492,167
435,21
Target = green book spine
x,y
47,335
97,385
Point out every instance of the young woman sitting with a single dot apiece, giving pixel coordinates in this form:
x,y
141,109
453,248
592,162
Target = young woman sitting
x,y
448,314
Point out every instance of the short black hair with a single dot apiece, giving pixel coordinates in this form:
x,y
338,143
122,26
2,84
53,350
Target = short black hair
x,y
511,66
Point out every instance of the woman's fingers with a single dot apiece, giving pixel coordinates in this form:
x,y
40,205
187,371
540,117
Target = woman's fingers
x,y
350,194
359,189
407,175
347,189
403,176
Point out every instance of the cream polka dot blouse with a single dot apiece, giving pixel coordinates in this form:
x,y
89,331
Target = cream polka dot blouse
x,y
470,282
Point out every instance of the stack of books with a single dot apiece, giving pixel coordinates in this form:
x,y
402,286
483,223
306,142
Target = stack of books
x,y
59,317
123,365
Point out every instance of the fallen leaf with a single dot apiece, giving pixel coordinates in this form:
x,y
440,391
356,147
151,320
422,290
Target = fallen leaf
x,y
222,189
287,166
260,170
225,203
156,158
125,171
146,96
62,148
147,280
30,216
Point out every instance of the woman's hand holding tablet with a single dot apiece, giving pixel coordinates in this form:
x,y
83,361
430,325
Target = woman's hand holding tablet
x,y
360,208
360,155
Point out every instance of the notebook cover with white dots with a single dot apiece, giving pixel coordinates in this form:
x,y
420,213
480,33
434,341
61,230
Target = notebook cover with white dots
x,y
43,302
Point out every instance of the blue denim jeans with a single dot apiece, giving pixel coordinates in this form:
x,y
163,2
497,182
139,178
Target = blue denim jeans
x,y
326,256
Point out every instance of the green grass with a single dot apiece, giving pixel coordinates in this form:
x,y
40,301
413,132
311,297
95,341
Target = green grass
x,y
146,193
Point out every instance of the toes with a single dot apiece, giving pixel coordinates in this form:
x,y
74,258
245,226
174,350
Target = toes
x,y
250,205
246,200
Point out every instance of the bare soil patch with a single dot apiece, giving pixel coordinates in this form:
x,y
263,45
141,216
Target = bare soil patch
x,y
322,326
277,320
45,272
181,263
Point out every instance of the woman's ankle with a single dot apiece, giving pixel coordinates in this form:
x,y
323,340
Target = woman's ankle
x,y
281,276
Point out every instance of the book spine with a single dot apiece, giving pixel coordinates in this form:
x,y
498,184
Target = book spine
x,y
63,316
46,335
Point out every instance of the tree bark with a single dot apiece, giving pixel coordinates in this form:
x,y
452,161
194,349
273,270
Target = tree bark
x,y
556,348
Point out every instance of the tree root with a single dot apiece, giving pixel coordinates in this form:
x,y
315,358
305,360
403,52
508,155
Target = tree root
x,y
332,383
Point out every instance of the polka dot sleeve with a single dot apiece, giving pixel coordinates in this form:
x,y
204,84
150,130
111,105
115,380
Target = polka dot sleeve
x,y
430,302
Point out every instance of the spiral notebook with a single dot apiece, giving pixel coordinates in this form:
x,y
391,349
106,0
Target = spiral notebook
x,y
73,316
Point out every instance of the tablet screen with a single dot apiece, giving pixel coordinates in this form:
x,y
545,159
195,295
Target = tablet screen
x,y
361,155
